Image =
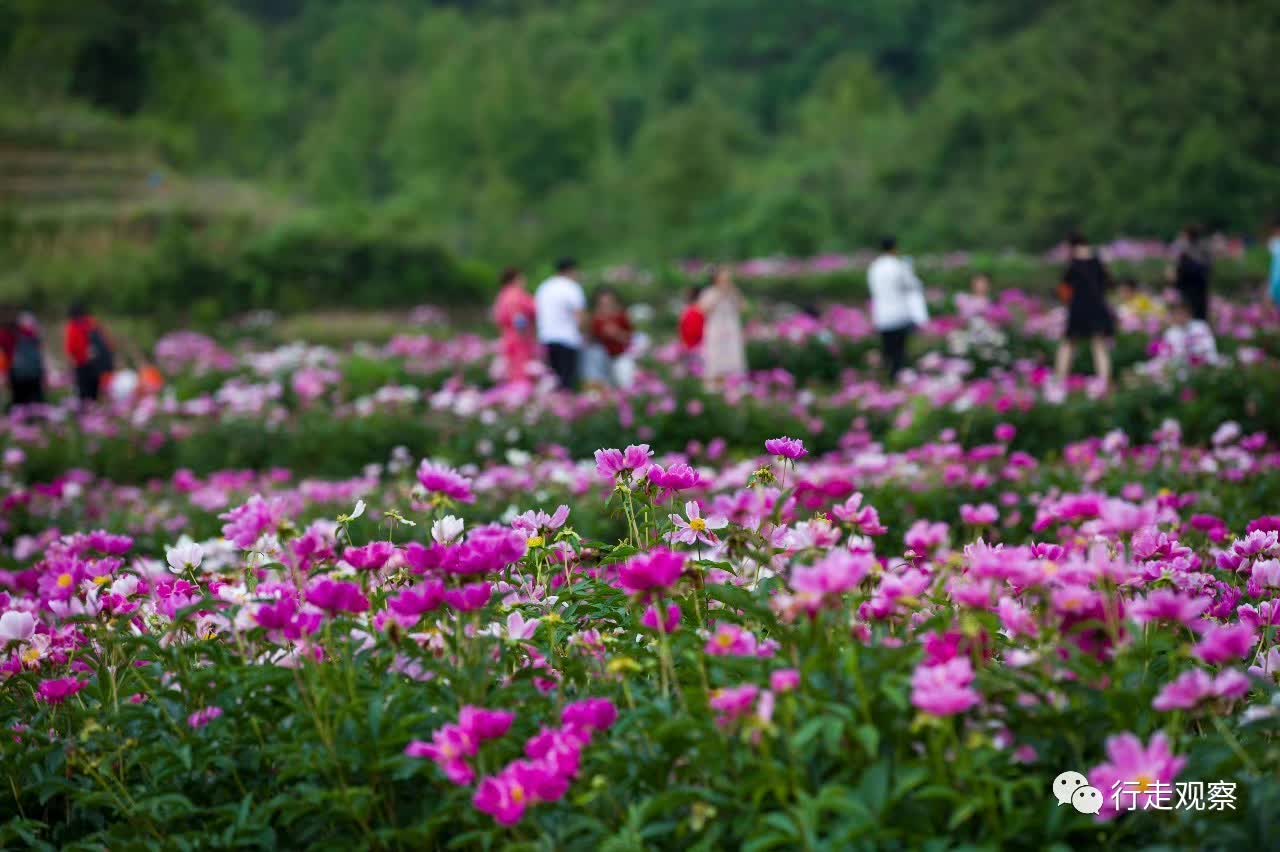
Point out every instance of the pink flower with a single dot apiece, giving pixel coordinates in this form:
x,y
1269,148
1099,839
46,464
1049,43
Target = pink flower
x,y
469,598
635,458
944,689
487,550
483,725
1222,643
730,640
248,523
659,569
371,557
865,518
1130,766
200,718
534,523
1168,605
334,597
449,748
732,703
593,714
982,515
677,477
672,623
1006,432
784,680
58,690
417,600
445,481
787,448
503,797
697,528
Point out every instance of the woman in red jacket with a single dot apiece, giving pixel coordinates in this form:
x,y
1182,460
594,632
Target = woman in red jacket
x,y
88,351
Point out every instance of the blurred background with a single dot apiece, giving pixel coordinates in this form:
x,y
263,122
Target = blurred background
x,y
198,158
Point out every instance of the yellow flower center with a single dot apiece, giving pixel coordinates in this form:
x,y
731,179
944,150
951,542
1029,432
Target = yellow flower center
x,y
1145,782
724,640
30,655
1051,568
536,541
448,752
517,793
102,580
65,581
698,525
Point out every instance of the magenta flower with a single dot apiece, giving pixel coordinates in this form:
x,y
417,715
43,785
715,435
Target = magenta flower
x,y
1192,687
488,550
784,680
483,725
982,515
371,557
734,702
334,597
697,528
58,690
787,448
449,749
445,481
535,523
200,718
659,569
590,714
1168,605
865,518
634,459
469,598
1226,642
248,523
944,689
1130,766
730,640
672,623
427,559
418,600
677,477
503,797
1006,432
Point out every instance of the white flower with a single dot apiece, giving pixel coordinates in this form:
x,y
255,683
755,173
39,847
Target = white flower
x,y
184,555
357,511
446,529
16,626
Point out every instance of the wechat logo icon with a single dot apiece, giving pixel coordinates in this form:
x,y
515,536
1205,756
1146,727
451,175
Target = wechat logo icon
x,y
1072,788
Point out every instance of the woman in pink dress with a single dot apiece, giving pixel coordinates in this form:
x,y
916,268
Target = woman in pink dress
x,y
514,313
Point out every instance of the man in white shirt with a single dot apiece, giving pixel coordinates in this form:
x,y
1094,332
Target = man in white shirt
x,y
897,304
560,304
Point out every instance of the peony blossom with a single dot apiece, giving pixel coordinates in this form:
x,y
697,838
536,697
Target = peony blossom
x,y
787,448
697,528
1132,766
944,689
654,571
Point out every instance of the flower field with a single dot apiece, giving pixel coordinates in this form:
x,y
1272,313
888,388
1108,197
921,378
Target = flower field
x,y
362,597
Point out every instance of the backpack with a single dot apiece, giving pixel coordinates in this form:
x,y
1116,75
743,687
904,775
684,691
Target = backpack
x,y
28,361
100,355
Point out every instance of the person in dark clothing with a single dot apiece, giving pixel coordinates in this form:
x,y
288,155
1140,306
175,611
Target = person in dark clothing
x,y
88,351
1192,271
25,362
1084,286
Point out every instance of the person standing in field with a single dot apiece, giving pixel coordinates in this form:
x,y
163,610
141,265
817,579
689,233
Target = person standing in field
x,y
90,355
723,351
560,304
514,312
26,362
1084,289
606,361
897,304
1192,271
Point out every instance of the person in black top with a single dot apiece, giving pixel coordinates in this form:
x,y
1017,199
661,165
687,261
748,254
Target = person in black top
x,y
1191,273
1084,286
